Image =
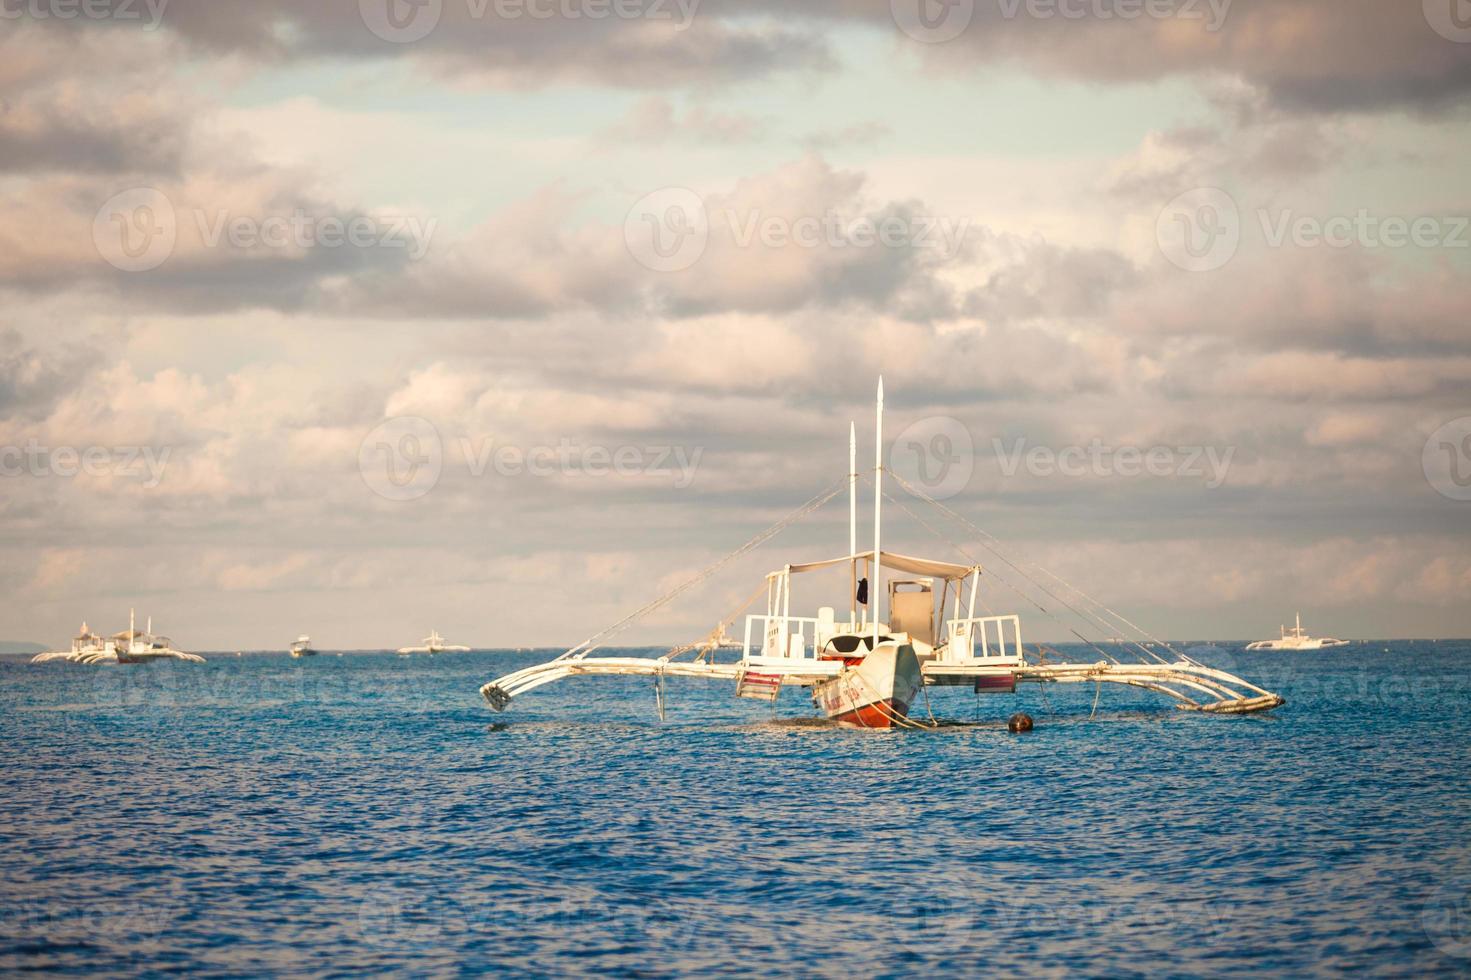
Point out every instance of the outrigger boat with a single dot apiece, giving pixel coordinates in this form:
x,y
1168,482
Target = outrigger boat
x,y
132,647
869,672
87,647
433,643
1295,638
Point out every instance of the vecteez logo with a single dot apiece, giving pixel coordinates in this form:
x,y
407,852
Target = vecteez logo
x,y
402,458
667,230
1199,230
94,10
407,21
1446,459
936,455
1451,19
932,21
401,21
135,230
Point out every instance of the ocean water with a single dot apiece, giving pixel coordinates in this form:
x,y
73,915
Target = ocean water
x,y
259,815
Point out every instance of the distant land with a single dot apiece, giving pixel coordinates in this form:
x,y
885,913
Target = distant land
x,y
15,646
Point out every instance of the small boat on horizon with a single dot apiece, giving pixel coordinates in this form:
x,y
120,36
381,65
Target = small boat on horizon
x,y
302,647
1295,638
86,646
132,646
431,644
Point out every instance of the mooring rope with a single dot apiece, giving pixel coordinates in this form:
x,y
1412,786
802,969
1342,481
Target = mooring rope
x,y
887,711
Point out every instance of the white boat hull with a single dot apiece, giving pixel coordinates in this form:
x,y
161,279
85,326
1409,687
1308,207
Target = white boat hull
x,y
1290,644
874,692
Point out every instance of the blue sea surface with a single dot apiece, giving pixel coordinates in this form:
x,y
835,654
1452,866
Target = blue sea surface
x,y
336,815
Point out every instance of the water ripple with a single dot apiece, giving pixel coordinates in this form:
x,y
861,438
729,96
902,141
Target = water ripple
x,y
366,813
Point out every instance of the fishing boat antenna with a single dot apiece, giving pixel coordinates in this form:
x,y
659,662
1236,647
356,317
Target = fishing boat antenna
x,y
853,522
878,500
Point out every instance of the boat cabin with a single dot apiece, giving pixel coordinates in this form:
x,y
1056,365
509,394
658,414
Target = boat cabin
x,y
931,608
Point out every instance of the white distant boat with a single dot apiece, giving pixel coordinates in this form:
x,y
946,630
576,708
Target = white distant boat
x,y
303,647
129,647
1295,638
433,643
135,647
868,670
86,647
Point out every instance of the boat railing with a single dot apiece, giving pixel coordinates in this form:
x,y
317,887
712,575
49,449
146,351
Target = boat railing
x,y
984,638
786,637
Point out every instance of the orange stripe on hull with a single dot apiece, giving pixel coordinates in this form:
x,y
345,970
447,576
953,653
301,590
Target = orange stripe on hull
x,y
879,714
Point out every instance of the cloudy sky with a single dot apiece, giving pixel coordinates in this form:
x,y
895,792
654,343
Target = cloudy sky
x,y
503,316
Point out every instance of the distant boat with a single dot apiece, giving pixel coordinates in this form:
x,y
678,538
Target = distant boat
x,y
1296,638
130,647
303,647
433,643
86,647
134,647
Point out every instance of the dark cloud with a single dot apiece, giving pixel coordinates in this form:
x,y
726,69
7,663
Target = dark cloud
x,y
33,381
824,250
1308,55
234,246
89,102
1046,280
43,137
668,45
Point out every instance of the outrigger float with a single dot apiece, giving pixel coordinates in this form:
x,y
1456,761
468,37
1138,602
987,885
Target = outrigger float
x,y
867,672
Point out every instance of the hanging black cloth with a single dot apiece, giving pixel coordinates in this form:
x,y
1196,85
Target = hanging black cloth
x,y
863,591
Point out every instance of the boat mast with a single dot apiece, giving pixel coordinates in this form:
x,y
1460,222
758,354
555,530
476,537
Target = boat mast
x,y
878,498
853,522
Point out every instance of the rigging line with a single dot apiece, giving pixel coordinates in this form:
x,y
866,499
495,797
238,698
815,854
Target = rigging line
x,y
1002,579
1122,619
590,644
711,641
995,549
1092,619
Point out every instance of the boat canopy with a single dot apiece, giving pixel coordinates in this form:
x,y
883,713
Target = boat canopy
x,y
902,563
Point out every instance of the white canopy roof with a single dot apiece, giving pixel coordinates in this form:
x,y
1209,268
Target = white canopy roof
x,y
902,563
